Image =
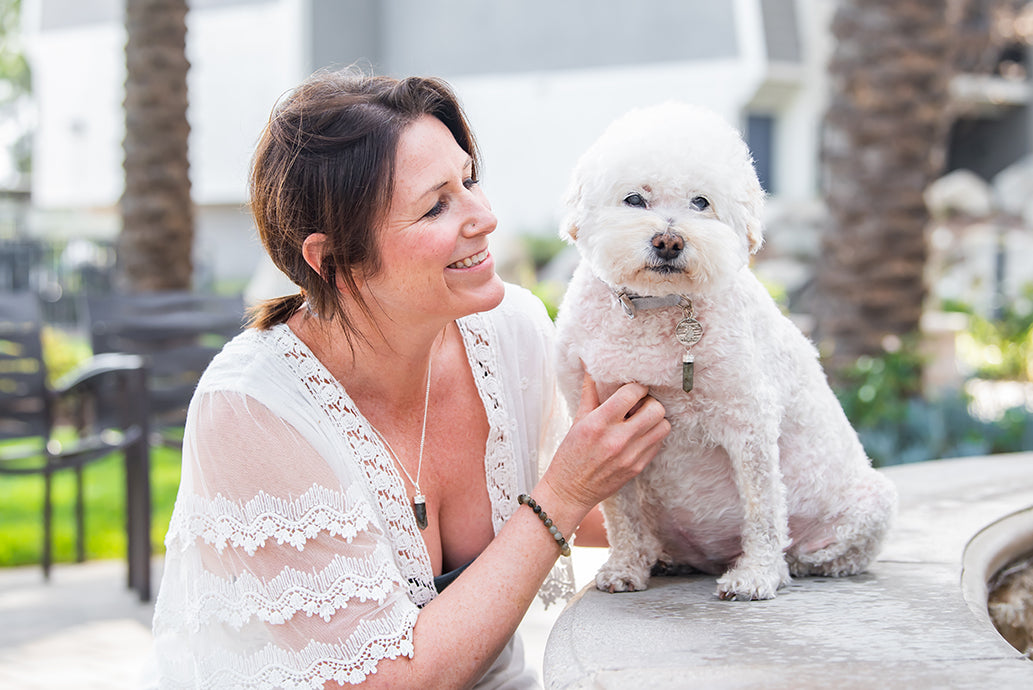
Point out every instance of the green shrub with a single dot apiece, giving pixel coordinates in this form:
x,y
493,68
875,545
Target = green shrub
x,y
896,424
999,348
62,351
551,294
878,388
541,249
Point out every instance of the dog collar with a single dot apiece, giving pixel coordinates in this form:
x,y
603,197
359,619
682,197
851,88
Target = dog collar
x,y
632,302
687,332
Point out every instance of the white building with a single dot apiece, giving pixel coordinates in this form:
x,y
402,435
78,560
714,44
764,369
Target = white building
x,y
540,80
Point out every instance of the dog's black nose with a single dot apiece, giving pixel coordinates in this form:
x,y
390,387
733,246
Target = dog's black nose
x,y
667,245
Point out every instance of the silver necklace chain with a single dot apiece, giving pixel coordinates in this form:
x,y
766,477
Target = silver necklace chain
x,y
423,436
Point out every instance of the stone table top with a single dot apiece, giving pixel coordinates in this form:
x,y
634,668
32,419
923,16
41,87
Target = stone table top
x,y
904,624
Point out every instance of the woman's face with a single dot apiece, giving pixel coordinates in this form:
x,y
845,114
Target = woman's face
x,y
433,248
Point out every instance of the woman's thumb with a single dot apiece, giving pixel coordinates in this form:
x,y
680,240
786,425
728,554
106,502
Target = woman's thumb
x,y
589,395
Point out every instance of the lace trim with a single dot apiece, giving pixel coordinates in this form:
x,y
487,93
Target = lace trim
x,y
221,521
237,601
480,341
313,666
559,585
382,477
499,455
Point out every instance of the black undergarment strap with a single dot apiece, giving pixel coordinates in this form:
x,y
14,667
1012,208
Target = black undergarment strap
x,y
445,579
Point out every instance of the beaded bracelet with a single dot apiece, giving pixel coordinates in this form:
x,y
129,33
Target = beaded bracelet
x,y
523,499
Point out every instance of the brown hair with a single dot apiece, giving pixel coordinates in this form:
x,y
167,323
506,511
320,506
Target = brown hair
x,y
325,164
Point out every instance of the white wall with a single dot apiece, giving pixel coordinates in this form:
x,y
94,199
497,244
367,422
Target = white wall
x,y
243,58
77,84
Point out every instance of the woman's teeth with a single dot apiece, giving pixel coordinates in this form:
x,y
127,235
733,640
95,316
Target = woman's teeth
x,y
470,260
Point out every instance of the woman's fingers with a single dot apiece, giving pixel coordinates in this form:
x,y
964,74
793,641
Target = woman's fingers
x,y
630,403
644,447
610,442
624,401
589,396
645,426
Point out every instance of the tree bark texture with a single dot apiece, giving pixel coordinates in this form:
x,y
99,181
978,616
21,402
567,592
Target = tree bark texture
x,y
156,242
884,137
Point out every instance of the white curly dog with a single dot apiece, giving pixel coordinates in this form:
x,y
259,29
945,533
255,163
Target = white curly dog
x,y
762,476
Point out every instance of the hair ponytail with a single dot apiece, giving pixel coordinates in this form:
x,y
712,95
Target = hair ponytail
x,y
271,312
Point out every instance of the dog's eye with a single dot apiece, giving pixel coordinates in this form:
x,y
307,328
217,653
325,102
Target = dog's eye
x,y
700,203
635,200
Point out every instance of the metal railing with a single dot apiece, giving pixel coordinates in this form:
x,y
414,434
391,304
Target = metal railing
x,y
61,272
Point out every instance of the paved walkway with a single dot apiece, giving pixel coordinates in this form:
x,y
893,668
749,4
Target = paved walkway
x,y
85,630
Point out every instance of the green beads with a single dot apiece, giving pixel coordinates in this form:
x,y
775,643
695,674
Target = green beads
x,y
524,499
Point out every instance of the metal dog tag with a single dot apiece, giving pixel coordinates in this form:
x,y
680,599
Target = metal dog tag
x,y
688,331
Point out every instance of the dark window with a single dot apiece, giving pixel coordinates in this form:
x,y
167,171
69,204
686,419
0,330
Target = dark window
x,y
760,137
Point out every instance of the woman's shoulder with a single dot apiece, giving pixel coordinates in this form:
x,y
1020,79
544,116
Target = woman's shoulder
x,y
518,327
520,308
255,353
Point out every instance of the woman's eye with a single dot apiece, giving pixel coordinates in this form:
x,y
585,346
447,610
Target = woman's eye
x,y
470,182
635,200
700,203
438,209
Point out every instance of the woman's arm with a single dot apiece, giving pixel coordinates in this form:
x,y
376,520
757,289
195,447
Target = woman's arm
x,y
592,531
460,633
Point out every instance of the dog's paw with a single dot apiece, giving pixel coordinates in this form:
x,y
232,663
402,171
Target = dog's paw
x,y
615,579
668,569
749,583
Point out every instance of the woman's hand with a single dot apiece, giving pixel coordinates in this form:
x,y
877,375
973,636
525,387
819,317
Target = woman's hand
x,y
608,444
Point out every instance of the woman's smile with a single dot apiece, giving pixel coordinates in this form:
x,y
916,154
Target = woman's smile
x,y
471,261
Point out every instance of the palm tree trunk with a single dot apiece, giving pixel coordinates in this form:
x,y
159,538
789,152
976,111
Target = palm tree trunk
x,y
885,133
156,242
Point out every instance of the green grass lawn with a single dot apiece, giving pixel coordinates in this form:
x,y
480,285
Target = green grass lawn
x,y
21,510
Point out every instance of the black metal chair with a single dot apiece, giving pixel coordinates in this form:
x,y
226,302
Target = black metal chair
x,y
103,401
177,333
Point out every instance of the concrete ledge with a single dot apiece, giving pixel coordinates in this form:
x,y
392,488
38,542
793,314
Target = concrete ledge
x,y
913,621
994,547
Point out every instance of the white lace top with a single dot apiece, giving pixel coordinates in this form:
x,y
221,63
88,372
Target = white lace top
x,y
293,557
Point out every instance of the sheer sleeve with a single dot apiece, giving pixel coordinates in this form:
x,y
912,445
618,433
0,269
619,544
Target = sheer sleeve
x,y
278,570
536,416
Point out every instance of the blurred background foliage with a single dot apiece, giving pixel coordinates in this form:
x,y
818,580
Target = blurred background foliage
x,y
898,424
999,348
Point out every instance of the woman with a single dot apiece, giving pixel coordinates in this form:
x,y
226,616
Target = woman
x,y
365,443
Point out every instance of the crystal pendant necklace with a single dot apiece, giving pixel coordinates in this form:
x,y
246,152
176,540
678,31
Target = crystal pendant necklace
x,y
419,501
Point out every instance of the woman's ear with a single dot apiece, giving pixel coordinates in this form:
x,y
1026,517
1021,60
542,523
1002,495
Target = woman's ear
x,y
312,249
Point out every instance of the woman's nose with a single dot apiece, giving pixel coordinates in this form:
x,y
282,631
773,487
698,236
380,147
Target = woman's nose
x,y
481,219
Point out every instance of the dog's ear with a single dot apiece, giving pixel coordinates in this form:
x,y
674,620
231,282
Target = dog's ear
x,y
568,227
754,224
753,212
569,223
